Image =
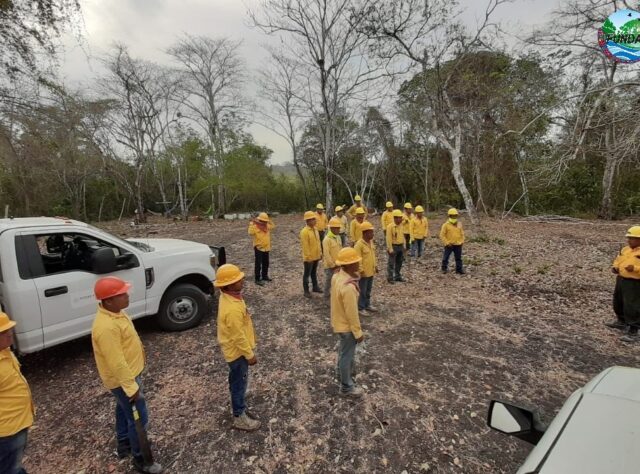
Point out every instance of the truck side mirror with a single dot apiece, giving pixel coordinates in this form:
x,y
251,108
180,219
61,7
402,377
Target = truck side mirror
x,y
515,421
104,261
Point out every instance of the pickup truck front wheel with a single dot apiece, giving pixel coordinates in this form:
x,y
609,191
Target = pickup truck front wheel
x,y
183,307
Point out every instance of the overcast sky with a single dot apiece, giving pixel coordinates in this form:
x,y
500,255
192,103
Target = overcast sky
x,y
148,27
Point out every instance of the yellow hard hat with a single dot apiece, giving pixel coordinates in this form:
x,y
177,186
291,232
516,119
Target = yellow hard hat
x,y
309,215
335,222
338,208
452,212
347,256
634,232
407,205
226,275
389,204
320,206
357,198
5,322
360,212
397,213
419,209
366,225
263,217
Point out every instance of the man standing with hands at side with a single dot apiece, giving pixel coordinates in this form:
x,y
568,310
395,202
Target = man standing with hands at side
x,y
120,360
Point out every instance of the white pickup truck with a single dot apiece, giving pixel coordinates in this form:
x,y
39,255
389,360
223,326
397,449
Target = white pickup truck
x,y
48,268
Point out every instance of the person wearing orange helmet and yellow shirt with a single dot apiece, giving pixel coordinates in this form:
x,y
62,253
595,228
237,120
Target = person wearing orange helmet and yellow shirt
x,y
395,248
260,231
311,253
387,217
355,229
16,405
406,226
358,204
237,339
331,245
419,232
452,236
626,296
322,221
344,224
368,266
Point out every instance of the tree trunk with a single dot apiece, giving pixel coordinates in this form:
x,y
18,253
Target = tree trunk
x,y
610,170
523,181
221,201
138,192
478,178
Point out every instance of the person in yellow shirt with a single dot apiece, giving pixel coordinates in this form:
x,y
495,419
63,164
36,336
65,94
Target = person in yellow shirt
x,y
452,236
387,217
344,224
331,245
321,221
311,253
237,340
355,229
395,248
16,405
345,319
419,232
358,204
368,267
260,230
406,225
120,360
626,296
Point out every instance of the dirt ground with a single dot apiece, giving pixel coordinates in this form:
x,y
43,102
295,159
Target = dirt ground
x,y
525,325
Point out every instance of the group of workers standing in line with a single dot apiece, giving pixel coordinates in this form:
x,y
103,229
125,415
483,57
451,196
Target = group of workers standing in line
x,y
120,356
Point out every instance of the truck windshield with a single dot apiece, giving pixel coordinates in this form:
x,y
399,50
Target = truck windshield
x,y
138,245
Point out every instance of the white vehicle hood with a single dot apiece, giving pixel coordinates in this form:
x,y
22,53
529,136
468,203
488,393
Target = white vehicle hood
x,y
172,246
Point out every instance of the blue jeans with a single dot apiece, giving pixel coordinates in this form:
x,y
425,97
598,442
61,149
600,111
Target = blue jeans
x,y
456,250
366,284
343,239
417,248
11,451
346,361
125,425
394,264
238,376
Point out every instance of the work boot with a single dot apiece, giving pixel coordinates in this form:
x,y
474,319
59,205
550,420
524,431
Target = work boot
x,y
244,423
259,282
401,280
461,272
390,280
123,448
140,466
616,324
317,290
631,337
356,392
445,271
372,309
267,279
307,294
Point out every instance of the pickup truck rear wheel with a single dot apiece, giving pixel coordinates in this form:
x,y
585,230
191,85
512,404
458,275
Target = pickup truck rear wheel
x,y
183,307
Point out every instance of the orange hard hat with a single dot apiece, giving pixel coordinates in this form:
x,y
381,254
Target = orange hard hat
x,y
108,287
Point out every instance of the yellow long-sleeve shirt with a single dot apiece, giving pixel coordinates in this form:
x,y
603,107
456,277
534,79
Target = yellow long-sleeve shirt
x,y
344,223
16,405
118,350
628,256
406,223
236,335
386,219
331,245
352,210
344,304
419,228
395,236
261,238
310,241
367,252
355,230
452,234
321,221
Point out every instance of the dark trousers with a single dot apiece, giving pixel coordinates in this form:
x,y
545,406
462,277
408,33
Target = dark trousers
x,y
11,451
456,250
321,233
366,284
310,271
343,239
238,377
346,361
125,424
407,241
626,301
261,264
394,264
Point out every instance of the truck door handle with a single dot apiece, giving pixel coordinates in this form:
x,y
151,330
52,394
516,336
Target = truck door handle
x,y
61,290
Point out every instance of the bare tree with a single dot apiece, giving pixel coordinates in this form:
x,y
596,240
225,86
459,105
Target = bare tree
x,y
213,78
334,54
282,87
428,34
141,93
